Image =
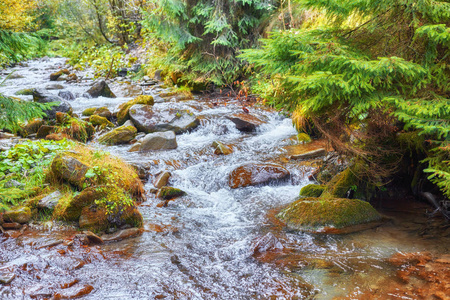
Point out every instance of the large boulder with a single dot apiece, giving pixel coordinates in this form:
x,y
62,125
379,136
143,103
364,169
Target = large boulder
x,y
328,215
256,174
312,190
120,135
159,141
42,96
148,120
184,121
245,122
69,169
100,88
142,116
123,114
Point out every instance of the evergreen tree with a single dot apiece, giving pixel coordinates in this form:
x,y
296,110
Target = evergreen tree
x,y
205,36
362,71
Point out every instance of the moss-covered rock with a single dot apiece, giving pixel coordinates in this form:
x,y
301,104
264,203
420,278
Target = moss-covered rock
x,y
25,92
73,128
103,112
70,209
68,168
303,138
312,190
56,75
123,114
89,111
120,135
20,215
167,193
31,127
316,214
102,122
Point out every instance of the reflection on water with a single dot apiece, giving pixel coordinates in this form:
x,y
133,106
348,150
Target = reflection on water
x,y
202,245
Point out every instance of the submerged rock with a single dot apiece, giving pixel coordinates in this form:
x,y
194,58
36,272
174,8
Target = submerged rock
x,y
122,234
326,214
266,243
54,87
245,122
159,141
255,174
73,292
100,88
120,135
6,277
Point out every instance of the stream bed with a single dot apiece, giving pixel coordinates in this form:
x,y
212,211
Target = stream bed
x,y
201,246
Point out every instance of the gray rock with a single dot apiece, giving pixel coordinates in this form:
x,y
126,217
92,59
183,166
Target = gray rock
x,y
66,95
159,141
135,68
101,88
50,201
143,118
63,77
122,234
43,96
54,87
13,183
182,122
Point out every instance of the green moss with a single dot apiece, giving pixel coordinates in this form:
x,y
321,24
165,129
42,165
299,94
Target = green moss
x,y
96,120
120,135
303,138
123,114
89,111
167,193
20,215
25,92
315,213
412,141
342,183
312,190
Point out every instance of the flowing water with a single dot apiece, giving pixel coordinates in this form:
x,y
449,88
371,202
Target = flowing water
x,y
201,246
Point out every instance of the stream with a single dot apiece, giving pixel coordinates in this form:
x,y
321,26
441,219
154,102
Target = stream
x,y
201,246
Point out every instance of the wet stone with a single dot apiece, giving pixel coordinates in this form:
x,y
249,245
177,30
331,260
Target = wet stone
x,y
101,88
256,174
266,243
162,179
6,277
159,141
245,122
122,234
311,154
66,95
73,292
11,226
20,215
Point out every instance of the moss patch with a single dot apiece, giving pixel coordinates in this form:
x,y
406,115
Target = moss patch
x,y
102,122
120,135
312,190
310,214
